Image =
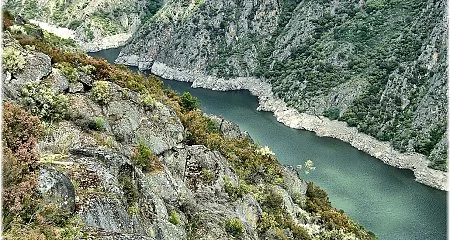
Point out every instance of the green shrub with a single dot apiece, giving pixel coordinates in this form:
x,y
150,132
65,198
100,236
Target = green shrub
x,y
234,227
266,222
101,92
144,157
43,102
148,102
129,189
207,176
174,218
17,29
235,192
12,60
68,71
88,69
332,113
97,124
189,102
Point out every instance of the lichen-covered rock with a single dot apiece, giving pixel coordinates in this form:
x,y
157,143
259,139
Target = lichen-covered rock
x,y
57,189
59,82
76,87
38,66
107,214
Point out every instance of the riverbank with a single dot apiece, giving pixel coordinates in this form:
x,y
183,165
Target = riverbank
x,y
106,42
322,126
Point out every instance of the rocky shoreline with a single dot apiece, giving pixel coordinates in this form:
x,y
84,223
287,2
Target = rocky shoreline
x,y
106,42
322,126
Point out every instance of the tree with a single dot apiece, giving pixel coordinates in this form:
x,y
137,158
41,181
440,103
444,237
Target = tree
x,y
189,102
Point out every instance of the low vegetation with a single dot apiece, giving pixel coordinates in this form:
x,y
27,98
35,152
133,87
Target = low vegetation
x,y
12,60
144,157
42,101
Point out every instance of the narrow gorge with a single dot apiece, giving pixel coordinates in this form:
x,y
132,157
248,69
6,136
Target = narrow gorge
x,y
98,151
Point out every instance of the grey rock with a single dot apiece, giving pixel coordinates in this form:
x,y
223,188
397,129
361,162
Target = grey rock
x,y
85,79
76,87
37,67
57,188
162,130
228,129
292,183
59,81
107,214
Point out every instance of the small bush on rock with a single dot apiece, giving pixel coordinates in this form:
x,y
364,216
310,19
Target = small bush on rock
x,y
101,92
174,218
43,102
12,60
68,70
189,102
144,157
234,227
148,102
97,124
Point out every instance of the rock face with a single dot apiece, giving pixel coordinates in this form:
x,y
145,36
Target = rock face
x,y
321,59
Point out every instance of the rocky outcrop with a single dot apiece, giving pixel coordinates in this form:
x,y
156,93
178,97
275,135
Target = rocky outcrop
x,y
37,67
228,129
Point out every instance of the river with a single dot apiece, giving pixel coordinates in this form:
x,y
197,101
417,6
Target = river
x,y
384,199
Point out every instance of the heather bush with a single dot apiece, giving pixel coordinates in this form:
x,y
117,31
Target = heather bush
x,y
20,135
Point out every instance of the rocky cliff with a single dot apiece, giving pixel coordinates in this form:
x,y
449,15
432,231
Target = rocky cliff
x,y
95,25
379,66
109,154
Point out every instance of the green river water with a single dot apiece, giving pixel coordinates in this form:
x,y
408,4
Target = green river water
x,y
385,200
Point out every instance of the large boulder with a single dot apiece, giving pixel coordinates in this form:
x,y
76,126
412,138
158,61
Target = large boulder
x,y
56,188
